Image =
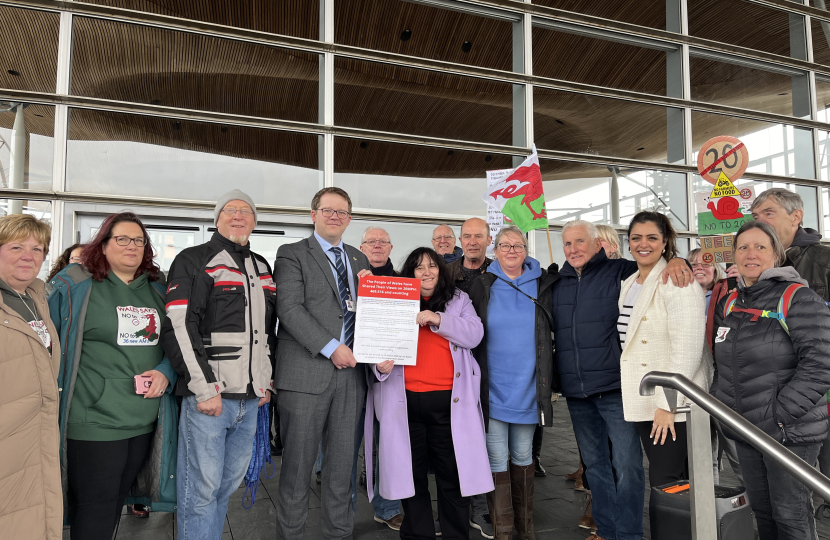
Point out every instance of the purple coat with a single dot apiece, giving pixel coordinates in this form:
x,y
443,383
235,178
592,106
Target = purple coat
x,y
387,398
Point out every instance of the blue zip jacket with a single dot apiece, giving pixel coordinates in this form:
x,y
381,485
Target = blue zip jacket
x,y
585,312
67,306
511,345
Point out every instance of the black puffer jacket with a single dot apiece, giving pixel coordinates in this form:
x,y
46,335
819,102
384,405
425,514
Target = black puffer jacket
x,y
811,260
777,382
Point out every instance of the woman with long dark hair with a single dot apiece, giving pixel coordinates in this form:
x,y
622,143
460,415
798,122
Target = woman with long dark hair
x,y
661,328
115,378
429,413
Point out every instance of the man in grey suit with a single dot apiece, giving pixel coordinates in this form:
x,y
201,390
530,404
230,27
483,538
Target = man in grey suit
x,y
320,387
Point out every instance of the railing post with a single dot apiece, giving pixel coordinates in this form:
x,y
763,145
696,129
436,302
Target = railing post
x,y
701,476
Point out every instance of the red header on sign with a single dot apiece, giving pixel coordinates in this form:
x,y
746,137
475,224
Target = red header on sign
x,y
390,287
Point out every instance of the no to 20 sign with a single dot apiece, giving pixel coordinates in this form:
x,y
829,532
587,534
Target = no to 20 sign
x,y
722,154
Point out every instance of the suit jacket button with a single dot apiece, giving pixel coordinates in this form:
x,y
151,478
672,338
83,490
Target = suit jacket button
x,y
644,341
455,347
341,316
645,318
457,375
455,400
644,364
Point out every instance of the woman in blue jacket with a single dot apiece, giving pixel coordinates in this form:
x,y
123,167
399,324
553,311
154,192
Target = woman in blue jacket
x,y
116,406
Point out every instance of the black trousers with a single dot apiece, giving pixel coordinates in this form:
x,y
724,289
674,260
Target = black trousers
x,y
430,438
667,462
101,474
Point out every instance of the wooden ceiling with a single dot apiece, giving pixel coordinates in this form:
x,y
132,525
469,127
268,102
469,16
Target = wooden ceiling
x,y
150,65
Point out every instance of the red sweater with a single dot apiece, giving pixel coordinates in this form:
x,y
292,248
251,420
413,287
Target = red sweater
x,y
434,366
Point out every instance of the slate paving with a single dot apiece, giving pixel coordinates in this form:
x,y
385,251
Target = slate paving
x,y
557,506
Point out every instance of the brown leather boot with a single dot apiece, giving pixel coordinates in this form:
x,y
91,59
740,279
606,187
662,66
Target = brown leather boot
x,y
521,486
587,519
501,506
575,475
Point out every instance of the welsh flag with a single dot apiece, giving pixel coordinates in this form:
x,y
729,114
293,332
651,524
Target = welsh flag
x,y
520,196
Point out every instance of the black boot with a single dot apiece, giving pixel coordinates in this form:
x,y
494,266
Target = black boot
x,y
537,449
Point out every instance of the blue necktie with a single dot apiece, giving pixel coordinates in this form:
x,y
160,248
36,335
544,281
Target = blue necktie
x,y
343,286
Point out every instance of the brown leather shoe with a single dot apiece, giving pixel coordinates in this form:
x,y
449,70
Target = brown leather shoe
x,y
522,484
578,486
595,537
575,475
393,523
501,506
587,519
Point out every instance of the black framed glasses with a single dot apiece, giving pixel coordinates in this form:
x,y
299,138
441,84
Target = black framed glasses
x,y
124,241
328,212
518,248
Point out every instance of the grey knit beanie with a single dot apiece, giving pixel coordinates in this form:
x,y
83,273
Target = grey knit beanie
x,y
233,195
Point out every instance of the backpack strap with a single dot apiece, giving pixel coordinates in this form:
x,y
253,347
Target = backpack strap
x,y
784,304
730,302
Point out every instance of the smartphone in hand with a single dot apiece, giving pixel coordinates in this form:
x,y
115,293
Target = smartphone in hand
x,y
142,384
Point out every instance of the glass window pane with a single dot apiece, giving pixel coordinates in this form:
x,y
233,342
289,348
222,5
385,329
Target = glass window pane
x,y
143,64
825,201
28,49
639,69
733,83
405,237
599,193
424,31
388,176
821,41
403,100
610,127
823,99
299,18
26,137
750,25
651,14
159,157
824,155
773,148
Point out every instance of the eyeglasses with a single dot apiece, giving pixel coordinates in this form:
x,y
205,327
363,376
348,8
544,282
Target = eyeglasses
x,y
702,265
445,237
377,242
231,212
329,212
518,248
125,241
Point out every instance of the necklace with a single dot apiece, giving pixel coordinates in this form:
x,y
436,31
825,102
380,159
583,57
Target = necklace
x,y
27,305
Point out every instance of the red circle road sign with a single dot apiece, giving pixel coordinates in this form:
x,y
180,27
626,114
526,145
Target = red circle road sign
x,y
722,154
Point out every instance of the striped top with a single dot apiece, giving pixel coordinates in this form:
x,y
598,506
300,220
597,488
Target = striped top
x,y
625,311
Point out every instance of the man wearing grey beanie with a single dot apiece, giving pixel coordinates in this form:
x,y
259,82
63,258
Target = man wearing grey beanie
x,y
219,336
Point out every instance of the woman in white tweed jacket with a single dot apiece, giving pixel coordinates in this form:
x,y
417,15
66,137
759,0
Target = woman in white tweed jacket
x,y
661,328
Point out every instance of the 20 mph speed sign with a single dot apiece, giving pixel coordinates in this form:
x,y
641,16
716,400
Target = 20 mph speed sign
x,y
722,154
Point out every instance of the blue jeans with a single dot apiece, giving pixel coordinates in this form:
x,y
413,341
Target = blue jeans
x,y
513,439
783,506
213,456
617,506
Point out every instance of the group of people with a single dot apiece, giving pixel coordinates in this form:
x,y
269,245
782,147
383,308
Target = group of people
x,y
123,387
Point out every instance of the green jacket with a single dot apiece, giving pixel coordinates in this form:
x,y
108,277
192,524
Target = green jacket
x,y
156,483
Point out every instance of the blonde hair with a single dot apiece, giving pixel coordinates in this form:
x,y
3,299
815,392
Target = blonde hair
x,y
609,234
18,227
719,271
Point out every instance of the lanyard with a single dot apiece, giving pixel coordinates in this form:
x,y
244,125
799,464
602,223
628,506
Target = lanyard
x,y
339,275
545,311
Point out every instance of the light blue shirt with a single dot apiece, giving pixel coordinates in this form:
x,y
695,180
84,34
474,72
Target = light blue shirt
x,y
328,350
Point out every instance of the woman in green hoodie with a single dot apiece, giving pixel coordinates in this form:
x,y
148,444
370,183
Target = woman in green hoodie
x,y
108,415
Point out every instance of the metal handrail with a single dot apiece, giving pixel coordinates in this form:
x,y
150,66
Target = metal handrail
x,y
768,446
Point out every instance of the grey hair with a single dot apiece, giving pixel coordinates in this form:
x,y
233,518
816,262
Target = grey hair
x,y
719,271
777,247
510,229
590,227
371,228
787,199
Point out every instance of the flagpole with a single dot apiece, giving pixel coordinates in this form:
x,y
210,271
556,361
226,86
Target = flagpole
x,y
550,249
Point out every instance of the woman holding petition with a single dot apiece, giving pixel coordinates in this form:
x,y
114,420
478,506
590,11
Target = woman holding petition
x,y
517,364
661,329
117,414
429,413
772,348
31,506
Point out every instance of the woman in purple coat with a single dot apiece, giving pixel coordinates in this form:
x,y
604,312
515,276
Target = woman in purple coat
x,y
430,414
